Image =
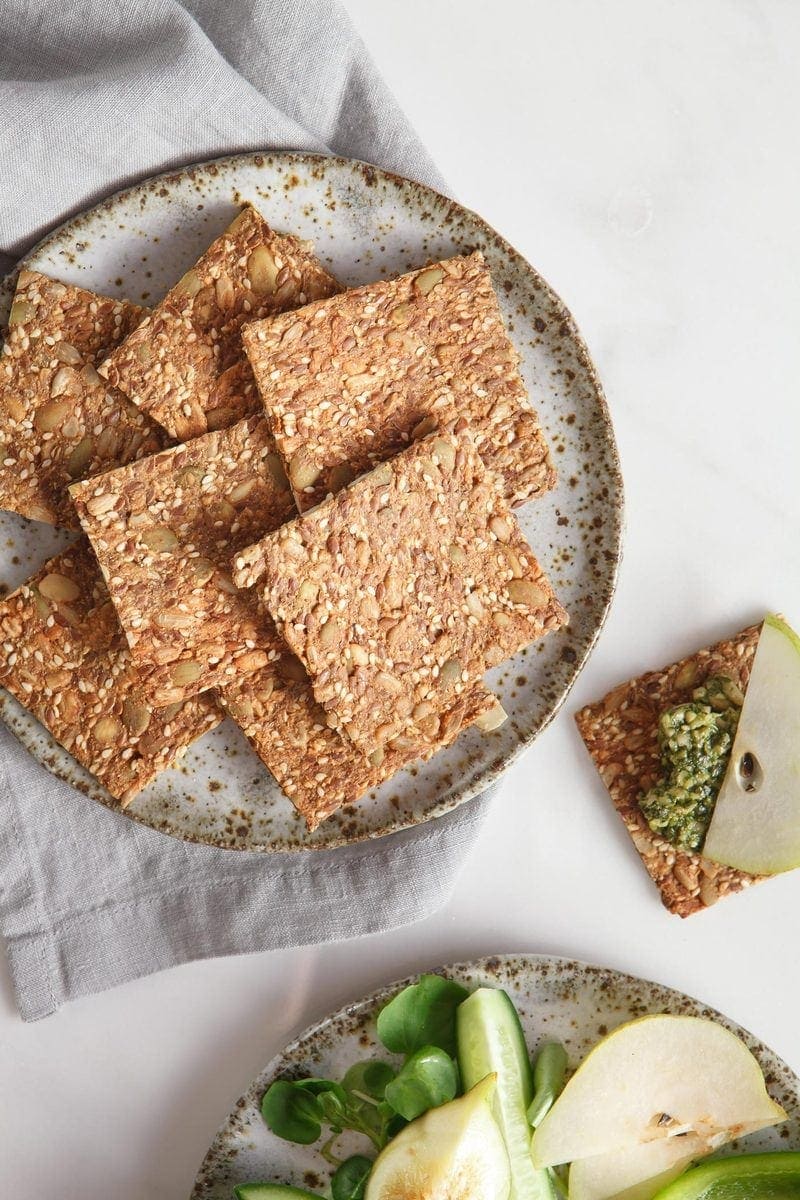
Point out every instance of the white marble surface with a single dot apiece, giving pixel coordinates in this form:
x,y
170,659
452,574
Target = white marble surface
x,y
644,158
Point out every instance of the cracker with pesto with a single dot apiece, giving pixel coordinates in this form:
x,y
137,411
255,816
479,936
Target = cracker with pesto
x,y
59,421
621,735
349,381
165,530
64,657
170,366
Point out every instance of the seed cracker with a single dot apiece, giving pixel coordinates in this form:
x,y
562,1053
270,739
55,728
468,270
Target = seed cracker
x,y
164,531
232,397
59,421
348,381
621,735
64,657
400,592
316,768
170,364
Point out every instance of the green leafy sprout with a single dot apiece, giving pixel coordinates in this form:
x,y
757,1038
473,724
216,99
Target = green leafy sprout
x,y
376,1098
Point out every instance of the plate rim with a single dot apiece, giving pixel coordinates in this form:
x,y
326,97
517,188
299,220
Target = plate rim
x,y
94,790
384,991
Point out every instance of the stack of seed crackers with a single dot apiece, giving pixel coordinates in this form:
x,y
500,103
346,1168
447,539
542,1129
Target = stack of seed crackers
x,y
296,504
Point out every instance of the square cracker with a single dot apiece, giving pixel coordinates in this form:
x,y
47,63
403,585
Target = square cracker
x,y
348,381
621,735
64,657
317,769
400,592
59,421
170,365
164,531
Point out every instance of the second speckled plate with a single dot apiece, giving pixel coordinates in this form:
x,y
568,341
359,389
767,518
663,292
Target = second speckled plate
x,y
557,1000
365,224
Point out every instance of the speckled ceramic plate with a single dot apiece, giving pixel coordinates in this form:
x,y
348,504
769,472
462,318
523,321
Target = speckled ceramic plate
x,y
365,224
557,999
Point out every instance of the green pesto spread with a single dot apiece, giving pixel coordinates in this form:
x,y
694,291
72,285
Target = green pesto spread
x,y
695,740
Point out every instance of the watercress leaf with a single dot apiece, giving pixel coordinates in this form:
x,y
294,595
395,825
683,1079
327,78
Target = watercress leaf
x,y
333,1109
423,1014
292,1112
364,1085
350,1179
427,1079
549,1070
368,1079
370,1121
318,1086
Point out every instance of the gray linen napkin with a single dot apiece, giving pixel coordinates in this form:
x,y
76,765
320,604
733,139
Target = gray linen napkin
x,y
95,94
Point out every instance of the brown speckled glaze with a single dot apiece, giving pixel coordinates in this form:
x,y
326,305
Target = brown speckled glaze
x,y
366,224
557,999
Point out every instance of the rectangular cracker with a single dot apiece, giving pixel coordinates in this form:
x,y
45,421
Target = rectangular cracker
x,y
349,381
64,657
59,421
399,592
621,735
164,531
170,365
316,768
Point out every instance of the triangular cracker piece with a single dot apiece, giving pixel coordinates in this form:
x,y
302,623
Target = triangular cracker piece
x,y
165,530
170,365
64,657
59,421
318,770
621,735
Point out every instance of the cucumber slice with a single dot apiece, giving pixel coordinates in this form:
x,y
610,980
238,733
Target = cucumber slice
x,y
549,1069
271,1191
490,1040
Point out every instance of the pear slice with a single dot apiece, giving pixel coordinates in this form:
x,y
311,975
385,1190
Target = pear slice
x,y
637,1173
454,1152
756,822
655,1078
